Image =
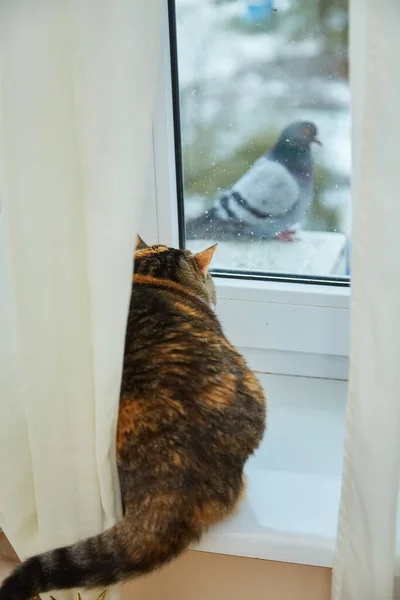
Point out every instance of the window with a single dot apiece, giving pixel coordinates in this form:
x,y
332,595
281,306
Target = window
x,y
252,78
294,319
288,315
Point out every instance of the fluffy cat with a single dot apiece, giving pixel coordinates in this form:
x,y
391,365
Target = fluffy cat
x,y
191,413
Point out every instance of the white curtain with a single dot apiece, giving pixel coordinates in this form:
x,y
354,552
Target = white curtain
x,y
365,564
77,80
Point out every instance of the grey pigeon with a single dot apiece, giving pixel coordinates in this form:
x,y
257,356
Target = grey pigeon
x,y
270,198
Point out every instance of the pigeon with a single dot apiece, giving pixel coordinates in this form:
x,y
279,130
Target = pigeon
x,y
270,198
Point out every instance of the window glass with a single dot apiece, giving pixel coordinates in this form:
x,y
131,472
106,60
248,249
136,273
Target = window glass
x,y
264,133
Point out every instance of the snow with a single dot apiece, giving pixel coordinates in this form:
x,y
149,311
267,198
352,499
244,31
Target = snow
x,y
306,48
314,253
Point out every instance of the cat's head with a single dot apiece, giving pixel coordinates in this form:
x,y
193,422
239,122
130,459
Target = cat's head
x,y
181,266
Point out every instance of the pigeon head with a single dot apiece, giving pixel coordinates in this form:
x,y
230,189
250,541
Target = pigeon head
x,y
293,147
298,135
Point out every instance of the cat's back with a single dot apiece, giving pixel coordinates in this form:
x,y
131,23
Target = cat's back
x,y
184,385
170,332
175,345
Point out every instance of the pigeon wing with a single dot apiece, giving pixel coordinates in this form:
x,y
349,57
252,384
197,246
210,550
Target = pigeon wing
x,y
268,187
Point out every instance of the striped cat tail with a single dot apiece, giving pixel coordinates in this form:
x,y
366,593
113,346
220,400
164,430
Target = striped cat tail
x,y
132,547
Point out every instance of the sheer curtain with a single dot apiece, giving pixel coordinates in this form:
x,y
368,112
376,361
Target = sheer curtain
x,y
77,80
365,564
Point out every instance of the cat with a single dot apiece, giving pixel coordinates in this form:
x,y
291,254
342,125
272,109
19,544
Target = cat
x,y
191,413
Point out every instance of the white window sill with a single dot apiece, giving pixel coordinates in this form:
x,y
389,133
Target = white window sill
x,y
315,253
290,512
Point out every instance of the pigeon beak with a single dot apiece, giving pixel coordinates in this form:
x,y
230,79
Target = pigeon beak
x,y
317,141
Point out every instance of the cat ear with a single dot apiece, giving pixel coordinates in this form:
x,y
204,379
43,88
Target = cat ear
x,y
204,258
140,244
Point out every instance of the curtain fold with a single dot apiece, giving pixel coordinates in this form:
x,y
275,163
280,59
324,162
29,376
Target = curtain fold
x,y
365,560
77,82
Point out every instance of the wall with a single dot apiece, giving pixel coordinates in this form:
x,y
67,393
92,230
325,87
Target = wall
x,y
8,558
204,576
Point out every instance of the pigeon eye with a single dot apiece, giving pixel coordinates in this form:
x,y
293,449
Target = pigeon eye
x,y
307,131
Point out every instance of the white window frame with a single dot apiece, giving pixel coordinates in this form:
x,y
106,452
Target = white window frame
x,y
281,327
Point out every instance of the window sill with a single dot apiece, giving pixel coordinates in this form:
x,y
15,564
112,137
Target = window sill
x,y
315,253
290,512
